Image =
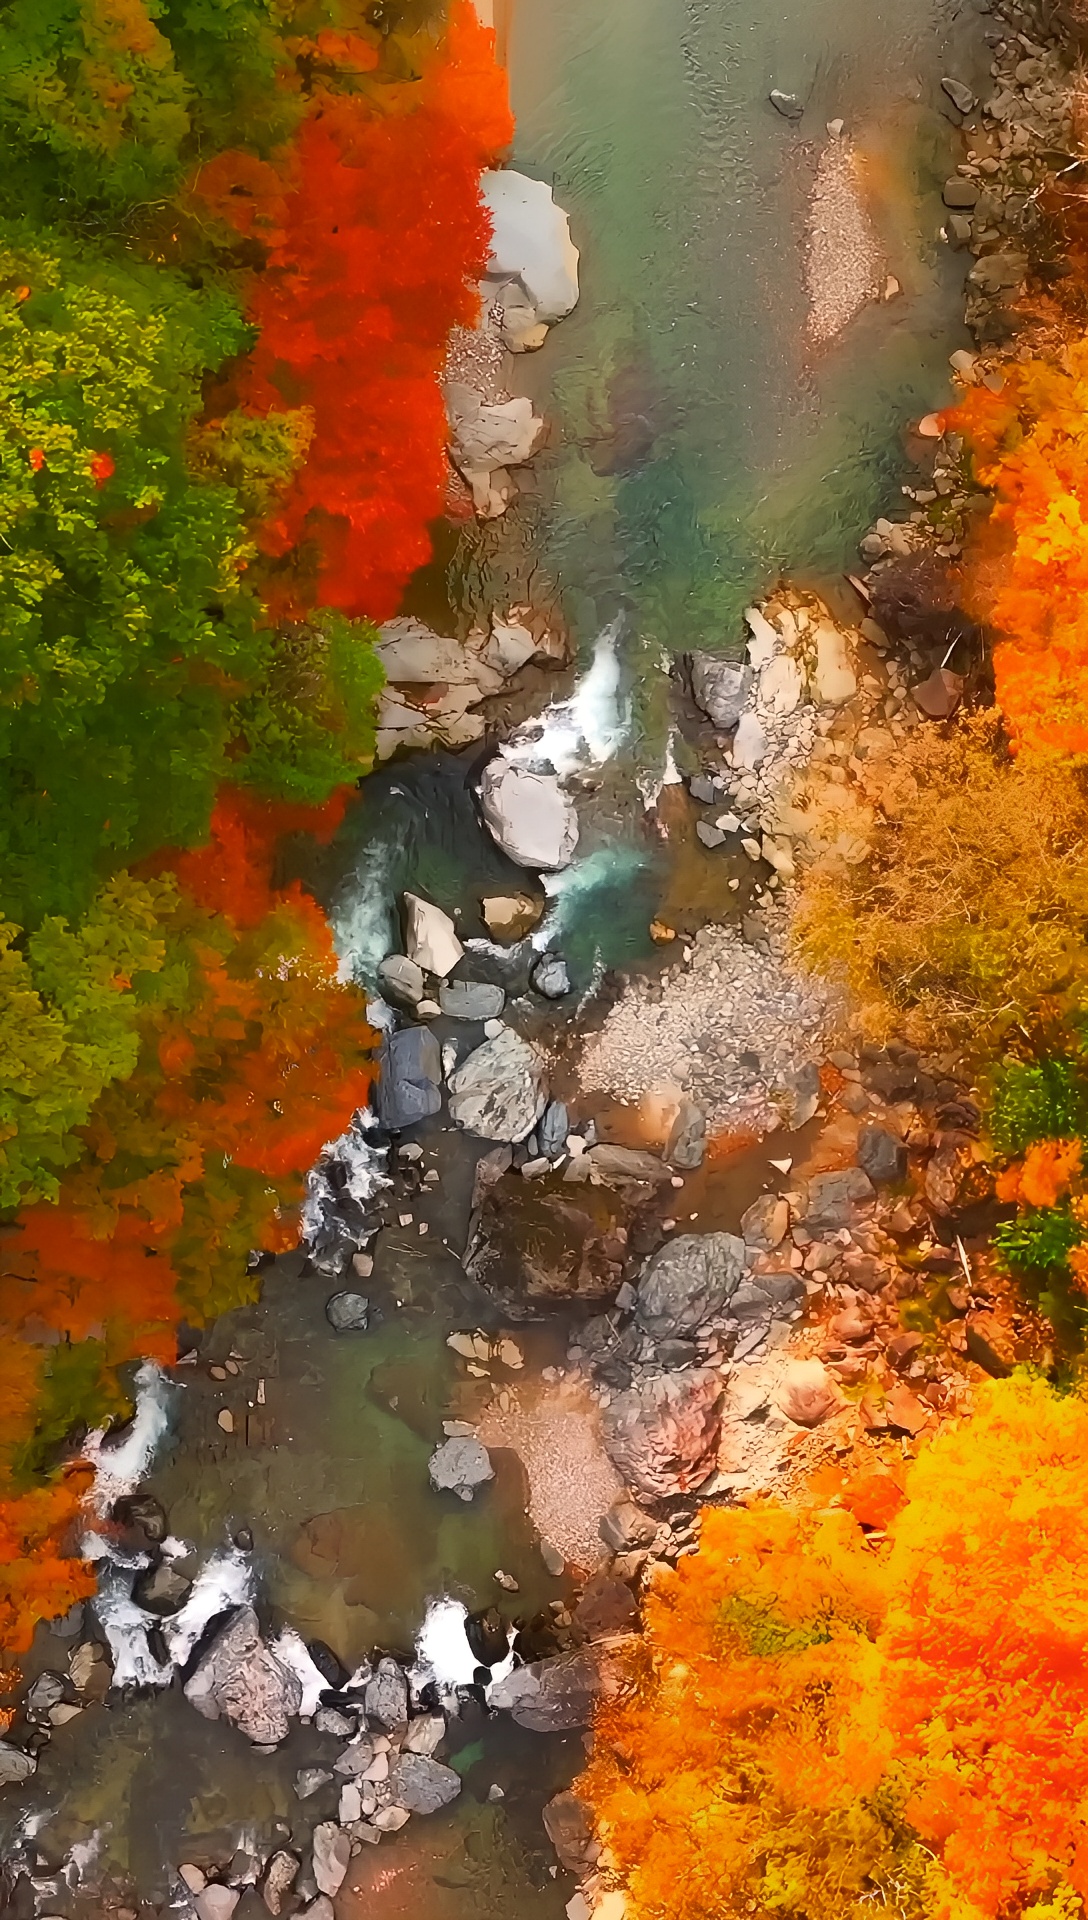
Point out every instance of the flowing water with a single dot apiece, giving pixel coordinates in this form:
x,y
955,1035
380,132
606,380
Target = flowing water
x,y
698,446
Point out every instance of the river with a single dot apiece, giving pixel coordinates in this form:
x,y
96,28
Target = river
x,y
699,445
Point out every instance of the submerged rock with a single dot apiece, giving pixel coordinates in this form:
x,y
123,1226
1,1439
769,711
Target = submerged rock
x,y
15,1765
528,815
554,1695
460,1466
161,1589
348,1312
471,1000
662,1434
501,1090
241,1679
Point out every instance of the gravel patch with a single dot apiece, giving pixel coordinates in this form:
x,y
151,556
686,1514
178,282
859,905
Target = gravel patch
x,y
572,1482
843,265
693,1029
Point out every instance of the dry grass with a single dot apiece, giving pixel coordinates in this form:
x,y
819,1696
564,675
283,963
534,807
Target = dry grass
x,y
972,908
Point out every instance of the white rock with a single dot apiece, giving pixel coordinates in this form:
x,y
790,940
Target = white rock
x,y
510,647
781,684
528,815
764,641
216,1902
531,242
194,1877
331,1856
749,742
834,679
431,939
486,437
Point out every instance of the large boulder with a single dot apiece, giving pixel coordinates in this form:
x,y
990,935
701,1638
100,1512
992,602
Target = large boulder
x,y
662,1434
721,688
501,1090
15,1765
531,243
528,815
409,1078
688,1282
239,1678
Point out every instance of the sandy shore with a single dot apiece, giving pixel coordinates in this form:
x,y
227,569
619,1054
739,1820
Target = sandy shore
x,y
844,268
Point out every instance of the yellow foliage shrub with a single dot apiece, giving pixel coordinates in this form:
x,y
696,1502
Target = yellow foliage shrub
x,y
971,908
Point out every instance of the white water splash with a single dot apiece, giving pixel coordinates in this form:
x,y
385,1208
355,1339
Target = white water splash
x,y
586,730
444,1658
290,1647
362,1165
363,922
120,1465
568,891
82,1855
652,785
225,1581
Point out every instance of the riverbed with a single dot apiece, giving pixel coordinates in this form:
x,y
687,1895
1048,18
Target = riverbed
x,y
700,443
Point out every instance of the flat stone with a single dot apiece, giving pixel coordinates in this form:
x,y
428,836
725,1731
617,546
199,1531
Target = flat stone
x,y
471,1000
568,1823
749,742
787,104
765,1223
460,1466
960,193
531,243
510,916
425,1734
431,937
15,1765
625,1526
710,836
423,1785
834,678
161,1589
833,1199
881,1155
553,1129
309,1779
686,1144
960,95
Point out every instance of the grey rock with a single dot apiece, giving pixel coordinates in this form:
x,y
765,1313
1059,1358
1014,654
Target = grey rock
x,y
761,1295
721,688
689,1281
702,789
401,980
764,1224
331,1720
331,1856
460,1466
421,1784
501,1090
553,1129
309,1779
161,1589
409,1078
348,1312
998,272
144,1511
244,1681
528,815
554,1562
70,1623
554,1695
471,1000
710,836
960,95
320,1908
15,1765
662,1434
568,1824
686,1144
787,104
614,1165
385,1696
355,1758
882,1155
833,1200
551,977
625,1526
47,1691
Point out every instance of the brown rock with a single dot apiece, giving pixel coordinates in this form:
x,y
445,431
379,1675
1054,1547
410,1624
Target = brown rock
x,y
808,1393
990,1345
606,1606
852,1324
902,1347
902,1410
569,1826
939,695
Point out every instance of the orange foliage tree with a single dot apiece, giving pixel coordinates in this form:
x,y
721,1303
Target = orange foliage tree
x,y
1028,574
376,235
821,1726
